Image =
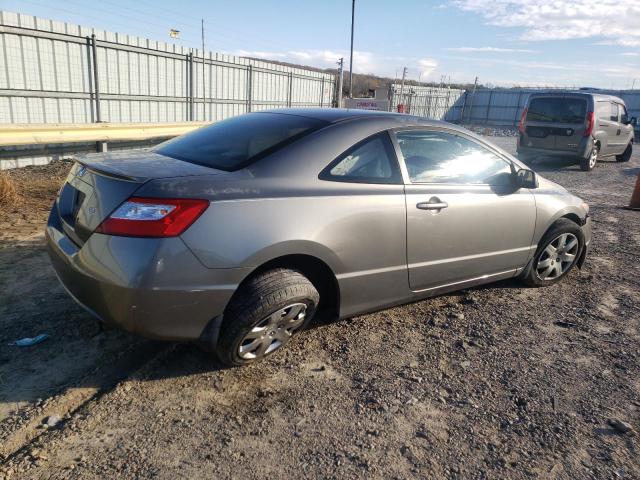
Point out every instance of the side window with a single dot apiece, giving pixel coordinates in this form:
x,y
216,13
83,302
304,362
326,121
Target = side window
x,y
614,112
440,157
604,110
624,116
370,161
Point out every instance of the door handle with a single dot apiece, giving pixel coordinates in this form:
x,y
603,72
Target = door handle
x,y
618,132
432,205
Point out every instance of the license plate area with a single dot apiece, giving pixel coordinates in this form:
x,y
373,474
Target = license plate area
x,y
544,132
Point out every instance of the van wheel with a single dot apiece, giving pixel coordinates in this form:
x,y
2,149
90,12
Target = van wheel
x,y
626,155
588,163
264,314
557,253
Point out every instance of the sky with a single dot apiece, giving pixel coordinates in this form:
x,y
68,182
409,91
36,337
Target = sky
x,y
593,43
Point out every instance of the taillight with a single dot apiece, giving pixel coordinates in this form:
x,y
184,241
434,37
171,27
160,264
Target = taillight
x,y
522,118
591,120
153,217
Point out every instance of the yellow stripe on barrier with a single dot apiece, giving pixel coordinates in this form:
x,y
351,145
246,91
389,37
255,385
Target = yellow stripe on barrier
x,y
42,134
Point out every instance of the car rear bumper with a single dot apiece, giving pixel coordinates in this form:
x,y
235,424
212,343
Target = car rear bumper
x,y
153,287
581,151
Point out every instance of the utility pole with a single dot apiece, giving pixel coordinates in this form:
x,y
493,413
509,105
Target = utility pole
x,y
353,15
634,83
340,75
404,75
204,88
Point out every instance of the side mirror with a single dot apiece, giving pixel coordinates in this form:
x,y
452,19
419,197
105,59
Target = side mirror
x,y
633,121
526,178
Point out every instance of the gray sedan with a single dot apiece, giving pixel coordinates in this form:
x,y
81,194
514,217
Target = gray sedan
x,y
236,235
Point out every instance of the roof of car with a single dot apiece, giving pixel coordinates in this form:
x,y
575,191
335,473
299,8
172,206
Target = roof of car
x,y
572,93
336,115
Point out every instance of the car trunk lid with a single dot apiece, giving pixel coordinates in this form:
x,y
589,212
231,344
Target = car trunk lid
x,y
98,183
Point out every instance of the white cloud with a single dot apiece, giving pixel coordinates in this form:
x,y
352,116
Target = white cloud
x,y
630,54
426,67
363,62
490,50
614,20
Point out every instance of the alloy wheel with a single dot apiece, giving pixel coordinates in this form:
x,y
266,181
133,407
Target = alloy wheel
x,y
273,331
593,157
557,257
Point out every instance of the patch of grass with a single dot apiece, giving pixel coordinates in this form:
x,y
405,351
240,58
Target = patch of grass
x,y
8,192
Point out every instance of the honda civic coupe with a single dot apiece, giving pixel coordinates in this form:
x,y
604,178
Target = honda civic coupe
x,y
237,234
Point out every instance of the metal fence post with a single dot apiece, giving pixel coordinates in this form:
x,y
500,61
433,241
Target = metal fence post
x,y
250,88
322,92
486,118
515,116
191,89
90,79
187,86
290,93
96,83
464,105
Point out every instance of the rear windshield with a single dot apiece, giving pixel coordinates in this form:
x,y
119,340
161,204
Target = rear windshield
x,y
234,143
559,110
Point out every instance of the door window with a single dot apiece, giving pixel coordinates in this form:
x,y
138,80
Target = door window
x,y
557,110
624,116
441,157
614,112
370,161
604,110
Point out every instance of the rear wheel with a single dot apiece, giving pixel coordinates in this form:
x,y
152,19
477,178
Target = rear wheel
x,y
264,314
588,163
557,253
626,155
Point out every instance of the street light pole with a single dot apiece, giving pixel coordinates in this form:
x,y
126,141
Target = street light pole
x,y
353,13
340,75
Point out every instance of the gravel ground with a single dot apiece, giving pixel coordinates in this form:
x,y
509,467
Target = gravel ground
x,y
494,382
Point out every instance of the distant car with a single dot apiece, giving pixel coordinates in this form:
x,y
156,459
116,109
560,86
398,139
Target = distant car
x,y
235,235
584,126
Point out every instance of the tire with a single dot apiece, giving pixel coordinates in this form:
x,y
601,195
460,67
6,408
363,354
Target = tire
x,y
264,314
537,275
626,155
587,164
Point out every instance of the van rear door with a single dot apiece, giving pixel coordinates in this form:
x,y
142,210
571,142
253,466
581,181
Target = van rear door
x,y
555,122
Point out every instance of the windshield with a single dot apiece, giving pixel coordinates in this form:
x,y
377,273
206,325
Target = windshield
x,y
236,142
557,110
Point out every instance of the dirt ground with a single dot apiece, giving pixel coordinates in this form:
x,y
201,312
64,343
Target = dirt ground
x,y
494,382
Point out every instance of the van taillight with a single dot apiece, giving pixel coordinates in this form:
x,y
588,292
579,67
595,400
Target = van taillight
x,y
153,217
591,120
522,118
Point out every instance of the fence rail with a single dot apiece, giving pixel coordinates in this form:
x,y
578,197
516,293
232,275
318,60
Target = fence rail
x,y
503,108
54,72
430,102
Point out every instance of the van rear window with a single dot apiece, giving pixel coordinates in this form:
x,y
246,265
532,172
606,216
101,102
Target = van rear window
x,y
236,142
557,110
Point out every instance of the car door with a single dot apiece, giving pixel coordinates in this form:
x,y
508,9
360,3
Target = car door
x,y
608,131
465,220
626,128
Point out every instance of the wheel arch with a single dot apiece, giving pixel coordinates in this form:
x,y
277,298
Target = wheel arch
x,y
319,273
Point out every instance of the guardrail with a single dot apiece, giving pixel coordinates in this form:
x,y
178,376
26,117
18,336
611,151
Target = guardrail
x,y
46,134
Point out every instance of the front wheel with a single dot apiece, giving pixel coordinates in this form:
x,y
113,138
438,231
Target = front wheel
x,y
557,253
626,155
264,314
588,163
